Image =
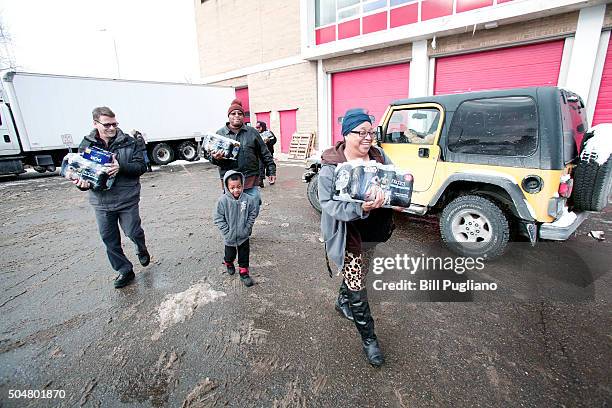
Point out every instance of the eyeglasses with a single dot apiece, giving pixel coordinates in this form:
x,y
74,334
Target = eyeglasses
x,y
236,113
362,133
108,125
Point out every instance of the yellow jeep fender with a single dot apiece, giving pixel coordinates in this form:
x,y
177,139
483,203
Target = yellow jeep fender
x,y
523,208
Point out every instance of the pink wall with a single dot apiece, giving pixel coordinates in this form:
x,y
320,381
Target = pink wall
x,y
325,35
436,8
372,89
405,15
375,22
467,5
348,29
288,127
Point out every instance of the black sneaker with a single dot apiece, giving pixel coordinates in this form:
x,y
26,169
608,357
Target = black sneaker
x,y
246,279
124,279
231,269
144,258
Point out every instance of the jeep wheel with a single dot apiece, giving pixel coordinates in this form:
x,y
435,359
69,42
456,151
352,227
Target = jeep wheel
x,y
313,193
162,154
592,184
474,226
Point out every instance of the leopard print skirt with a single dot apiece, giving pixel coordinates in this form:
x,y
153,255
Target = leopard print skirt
x,y
354,271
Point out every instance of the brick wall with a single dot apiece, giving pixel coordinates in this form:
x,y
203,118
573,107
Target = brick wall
x,y
292,87
284,89
382,56
528,31
608,17
234,34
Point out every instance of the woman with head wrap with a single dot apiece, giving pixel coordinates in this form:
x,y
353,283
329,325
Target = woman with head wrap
x,y
342,224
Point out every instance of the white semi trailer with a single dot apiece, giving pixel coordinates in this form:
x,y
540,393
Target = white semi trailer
x,y
42,116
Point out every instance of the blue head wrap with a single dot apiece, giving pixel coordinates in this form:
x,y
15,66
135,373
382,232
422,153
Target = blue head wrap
x,y
354,118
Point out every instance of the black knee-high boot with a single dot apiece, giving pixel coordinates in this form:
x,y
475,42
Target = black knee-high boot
x,y
342,303
358,302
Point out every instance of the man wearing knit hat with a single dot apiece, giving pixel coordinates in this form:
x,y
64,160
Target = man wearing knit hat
x,y
252,150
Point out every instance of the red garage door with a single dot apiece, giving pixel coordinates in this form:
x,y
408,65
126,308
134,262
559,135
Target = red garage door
x,y
264,117
528,65
603,108
243,95
371,88
288,126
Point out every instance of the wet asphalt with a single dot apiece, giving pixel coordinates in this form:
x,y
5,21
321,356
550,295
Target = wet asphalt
x,y
186,334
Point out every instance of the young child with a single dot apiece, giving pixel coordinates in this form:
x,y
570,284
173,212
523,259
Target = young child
x,y
235,216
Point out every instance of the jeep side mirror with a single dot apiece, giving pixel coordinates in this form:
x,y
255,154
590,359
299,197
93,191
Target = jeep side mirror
x,y
379,132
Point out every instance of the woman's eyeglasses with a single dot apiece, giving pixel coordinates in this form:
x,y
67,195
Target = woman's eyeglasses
x,y
108,125
362,133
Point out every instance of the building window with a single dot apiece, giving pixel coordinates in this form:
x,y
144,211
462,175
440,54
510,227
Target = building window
x,y
374,5
331,11
325,12
413,126
398,2
497,126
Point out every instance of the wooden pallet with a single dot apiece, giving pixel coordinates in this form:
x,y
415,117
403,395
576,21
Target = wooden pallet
x,y
301,145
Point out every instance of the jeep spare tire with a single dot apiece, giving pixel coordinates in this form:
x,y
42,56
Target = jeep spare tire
x,y
593,174
592,183
475,226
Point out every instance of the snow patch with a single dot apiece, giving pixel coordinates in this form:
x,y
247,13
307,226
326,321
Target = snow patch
x,y
179,307
567,218
599,147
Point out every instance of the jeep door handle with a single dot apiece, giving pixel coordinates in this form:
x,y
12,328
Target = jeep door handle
x,y
423,152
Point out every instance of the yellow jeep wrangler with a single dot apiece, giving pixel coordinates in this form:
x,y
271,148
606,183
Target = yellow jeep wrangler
x,y
493,162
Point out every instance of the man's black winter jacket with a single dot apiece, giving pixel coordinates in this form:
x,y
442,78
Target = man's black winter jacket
x,y
252,149
130,155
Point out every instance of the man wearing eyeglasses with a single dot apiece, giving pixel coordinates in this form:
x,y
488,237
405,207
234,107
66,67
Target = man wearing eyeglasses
x,y
252,151
119,205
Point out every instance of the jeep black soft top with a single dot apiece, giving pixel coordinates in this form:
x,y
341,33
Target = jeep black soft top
x,y
556,141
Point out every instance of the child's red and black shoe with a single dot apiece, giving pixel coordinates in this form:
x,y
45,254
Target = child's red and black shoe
x,y
231,269
245,278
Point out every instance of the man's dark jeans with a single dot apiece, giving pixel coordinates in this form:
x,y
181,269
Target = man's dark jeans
x,y
108,225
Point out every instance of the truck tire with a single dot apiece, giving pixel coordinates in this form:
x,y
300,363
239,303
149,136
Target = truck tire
x,y
592,183
162,154
473,225
312,191
188,150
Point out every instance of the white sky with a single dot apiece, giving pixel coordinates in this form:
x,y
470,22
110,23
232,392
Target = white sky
x,y
156,39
